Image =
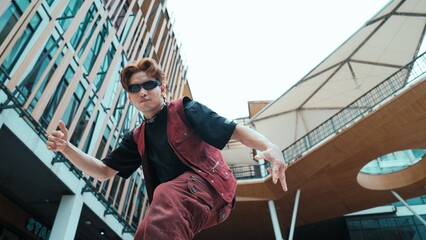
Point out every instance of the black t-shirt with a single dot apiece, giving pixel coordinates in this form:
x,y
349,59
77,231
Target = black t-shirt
x,y
212,128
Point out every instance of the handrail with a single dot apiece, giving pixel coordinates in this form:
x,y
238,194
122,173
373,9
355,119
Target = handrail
x,y
357,109
382,92
254,171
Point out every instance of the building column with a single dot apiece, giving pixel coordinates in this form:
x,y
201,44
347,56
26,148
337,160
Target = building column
x,y
293,218
274,217
67,217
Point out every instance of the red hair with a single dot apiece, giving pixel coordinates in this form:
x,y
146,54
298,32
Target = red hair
x,y
147,65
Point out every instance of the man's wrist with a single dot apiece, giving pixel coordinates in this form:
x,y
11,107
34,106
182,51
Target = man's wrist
x,y
66,149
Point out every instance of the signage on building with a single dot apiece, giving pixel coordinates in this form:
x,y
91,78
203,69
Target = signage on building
x,y
37,229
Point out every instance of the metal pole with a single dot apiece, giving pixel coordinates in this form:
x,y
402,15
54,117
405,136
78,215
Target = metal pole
x,y
293,218
274,218
409,207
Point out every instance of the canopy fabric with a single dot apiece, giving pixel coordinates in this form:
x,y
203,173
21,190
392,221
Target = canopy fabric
x,y
387,42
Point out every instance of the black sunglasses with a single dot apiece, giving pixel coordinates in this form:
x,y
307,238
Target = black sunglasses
x,y
148,85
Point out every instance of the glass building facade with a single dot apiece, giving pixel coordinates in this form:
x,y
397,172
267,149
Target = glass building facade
x,y
60,60
394,162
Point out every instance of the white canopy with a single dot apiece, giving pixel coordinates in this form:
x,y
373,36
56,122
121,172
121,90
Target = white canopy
x,y
386,43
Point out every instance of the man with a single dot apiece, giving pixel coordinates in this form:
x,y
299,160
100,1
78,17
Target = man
x,y
189,185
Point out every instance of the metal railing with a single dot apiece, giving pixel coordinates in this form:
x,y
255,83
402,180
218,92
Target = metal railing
x,y
372,99
244,172
380,94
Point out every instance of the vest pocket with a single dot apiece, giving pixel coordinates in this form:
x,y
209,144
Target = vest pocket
x,y
182,135
221,170
202,190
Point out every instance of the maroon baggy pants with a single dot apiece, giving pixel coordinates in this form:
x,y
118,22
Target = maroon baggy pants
x,y
182,208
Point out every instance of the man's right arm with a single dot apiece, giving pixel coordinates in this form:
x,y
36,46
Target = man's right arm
x,y
58,141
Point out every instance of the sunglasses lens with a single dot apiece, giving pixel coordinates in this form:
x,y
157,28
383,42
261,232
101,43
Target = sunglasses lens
x,y
150,84
134,88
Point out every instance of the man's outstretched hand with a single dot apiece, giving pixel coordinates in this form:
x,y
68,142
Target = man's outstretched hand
x,y
58,139
275,157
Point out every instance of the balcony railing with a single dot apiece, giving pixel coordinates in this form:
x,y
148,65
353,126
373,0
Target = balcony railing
x,y
380,94
245,172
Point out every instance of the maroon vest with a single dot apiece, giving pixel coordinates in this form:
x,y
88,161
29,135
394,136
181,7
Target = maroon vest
x,y
201,157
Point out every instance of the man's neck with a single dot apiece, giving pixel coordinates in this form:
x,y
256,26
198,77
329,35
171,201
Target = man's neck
x,y
151,119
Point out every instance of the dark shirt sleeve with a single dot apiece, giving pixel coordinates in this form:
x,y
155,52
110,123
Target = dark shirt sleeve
x,y
125,158
212,128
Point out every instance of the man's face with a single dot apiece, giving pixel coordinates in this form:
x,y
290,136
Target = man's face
x,y
149,102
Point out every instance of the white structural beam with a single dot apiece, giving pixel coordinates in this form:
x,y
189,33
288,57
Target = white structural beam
x,y
67,217
293,218
409,207
274,217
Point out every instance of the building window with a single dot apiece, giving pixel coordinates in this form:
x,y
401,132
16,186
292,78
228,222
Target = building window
x,y
84,26
19,46
10,17
96,48
56,98
129,23
119,193
26,87
90,135
138,206
121,15
119,107
46,80
127,120
86,40
394,162
113,85
73,105
147,49
49,2
69,13
84,119
104,67
8,20
378,228
103,143
128,201
114,187
139,119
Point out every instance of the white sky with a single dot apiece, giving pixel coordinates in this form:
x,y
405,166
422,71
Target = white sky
x,y
245,50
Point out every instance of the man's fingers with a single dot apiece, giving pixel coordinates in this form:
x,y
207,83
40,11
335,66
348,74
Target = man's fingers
x,y
278,168
63,128
56,144
55,141
282,179
259,156
275,172
50,144
278,173
57,134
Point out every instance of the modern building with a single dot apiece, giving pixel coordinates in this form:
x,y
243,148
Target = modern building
x,y
61,60
353,130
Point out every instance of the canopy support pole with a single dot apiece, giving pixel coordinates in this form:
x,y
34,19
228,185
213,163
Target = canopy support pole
x,y
409,207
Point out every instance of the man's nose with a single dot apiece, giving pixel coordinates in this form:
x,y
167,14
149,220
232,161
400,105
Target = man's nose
x,y
143,91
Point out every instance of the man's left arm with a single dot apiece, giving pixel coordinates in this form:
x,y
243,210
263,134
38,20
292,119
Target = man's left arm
x,y
268,151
